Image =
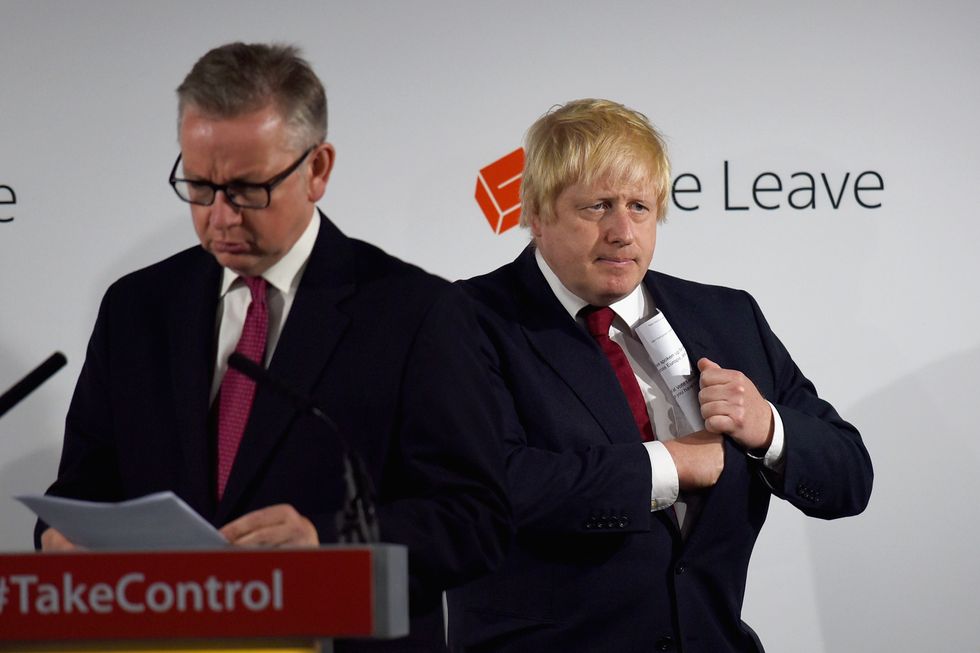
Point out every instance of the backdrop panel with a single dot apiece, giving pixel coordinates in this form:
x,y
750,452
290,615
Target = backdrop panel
x,y
874,292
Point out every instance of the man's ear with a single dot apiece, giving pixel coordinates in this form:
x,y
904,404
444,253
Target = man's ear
x,y
322,159
534,223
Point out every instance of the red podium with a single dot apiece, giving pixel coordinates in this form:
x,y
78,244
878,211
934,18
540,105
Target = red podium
x,y
242,600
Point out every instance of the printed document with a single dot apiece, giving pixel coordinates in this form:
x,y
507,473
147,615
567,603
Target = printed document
x,y
670,358
156,521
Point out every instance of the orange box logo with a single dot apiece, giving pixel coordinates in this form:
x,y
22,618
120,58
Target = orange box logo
x,y
498,191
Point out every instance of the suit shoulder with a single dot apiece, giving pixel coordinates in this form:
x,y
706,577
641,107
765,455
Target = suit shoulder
x,y
392,291
497,290
675,286
376,267
169,274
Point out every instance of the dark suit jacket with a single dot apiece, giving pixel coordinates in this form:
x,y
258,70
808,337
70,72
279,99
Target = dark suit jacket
x,y
375,341
593,569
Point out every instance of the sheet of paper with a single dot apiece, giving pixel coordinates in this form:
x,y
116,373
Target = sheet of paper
x,y
670,358
156,521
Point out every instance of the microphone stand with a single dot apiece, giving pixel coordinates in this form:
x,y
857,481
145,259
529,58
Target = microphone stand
x,y
357,521
30,383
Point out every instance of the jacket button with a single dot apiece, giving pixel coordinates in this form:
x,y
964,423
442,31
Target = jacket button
x,y
681,568
665,643
809,493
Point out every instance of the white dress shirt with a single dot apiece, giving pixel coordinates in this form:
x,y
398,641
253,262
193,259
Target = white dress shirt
x,y
283,280
666,417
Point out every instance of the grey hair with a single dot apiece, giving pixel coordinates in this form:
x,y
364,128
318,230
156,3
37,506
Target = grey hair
x,y
238,78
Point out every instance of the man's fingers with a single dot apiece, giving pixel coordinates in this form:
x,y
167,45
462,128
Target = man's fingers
x,y
699,457
727,393
53,540
711,374
253,521
718,376
720,424
707,364
278,525
235,530
263,536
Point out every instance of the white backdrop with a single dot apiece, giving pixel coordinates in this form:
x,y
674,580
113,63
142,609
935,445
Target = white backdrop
x,y
878,306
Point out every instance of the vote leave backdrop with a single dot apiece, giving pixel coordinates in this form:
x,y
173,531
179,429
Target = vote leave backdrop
x,y
825,158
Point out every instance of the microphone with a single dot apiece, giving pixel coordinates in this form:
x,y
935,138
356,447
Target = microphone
x,y
30,383
357,522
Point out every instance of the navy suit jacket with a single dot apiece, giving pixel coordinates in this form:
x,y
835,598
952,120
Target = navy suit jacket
x,y
374,341
593,569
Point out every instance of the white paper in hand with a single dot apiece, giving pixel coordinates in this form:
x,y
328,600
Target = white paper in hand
x,y
156,521
670,358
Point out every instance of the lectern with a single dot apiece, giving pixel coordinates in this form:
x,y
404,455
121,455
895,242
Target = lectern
x,y
226,600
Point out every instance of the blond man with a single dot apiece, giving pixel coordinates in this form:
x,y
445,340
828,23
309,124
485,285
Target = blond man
x,y
636,514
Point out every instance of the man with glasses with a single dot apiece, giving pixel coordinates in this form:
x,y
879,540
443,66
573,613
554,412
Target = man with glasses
x,y
363,334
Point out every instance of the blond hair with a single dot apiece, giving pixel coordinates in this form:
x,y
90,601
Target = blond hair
x,y
585,140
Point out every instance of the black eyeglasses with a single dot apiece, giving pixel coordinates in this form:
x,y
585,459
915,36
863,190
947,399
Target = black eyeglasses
x,y
239,193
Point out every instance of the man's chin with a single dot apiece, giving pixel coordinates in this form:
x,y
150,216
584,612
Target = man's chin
x,y
613,293
620,283
246,265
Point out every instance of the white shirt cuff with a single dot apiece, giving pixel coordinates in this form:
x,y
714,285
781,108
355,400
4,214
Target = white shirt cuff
x,y
665,486
774,457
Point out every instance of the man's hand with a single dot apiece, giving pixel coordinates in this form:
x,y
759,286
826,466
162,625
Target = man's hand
x,y
731,405
53,540
699,458
274,526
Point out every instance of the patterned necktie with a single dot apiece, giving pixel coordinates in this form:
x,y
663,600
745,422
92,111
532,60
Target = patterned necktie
x,y
237,390
598,320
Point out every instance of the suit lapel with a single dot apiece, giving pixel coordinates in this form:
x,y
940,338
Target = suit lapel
x,y
191,356
572,353
312,330
682,317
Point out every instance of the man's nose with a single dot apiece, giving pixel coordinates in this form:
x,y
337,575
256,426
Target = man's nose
x,y
618,225
223,213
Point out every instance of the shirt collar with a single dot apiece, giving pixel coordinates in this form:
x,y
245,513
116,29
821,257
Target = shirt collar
x,y
633,308
284,275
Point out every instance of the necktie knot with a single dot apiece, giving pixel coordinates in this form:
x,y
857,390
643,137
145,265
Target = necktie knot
x,y
598,320
256,286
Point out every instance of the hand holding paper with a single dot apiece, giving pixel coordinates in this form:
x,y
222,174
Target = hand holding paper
x,y
53,540
731,405
279,525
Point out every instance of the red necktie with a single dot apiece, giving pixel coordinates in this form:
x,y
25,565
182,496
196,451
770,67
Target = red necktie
x,y
597,320
237,390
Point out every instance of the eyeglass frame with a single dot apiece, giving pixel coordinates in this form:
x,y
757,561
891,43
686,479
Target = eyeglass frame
x,y
268,186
